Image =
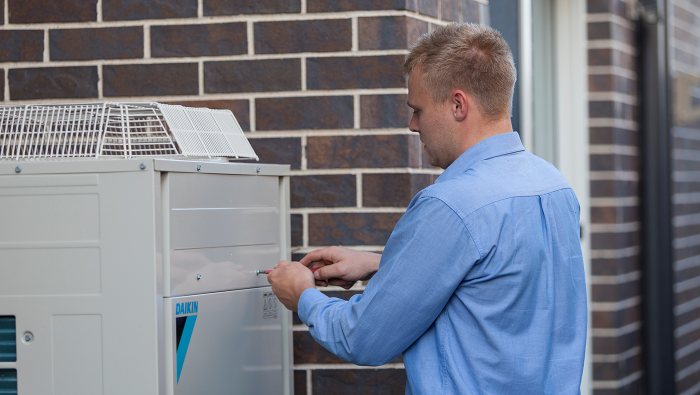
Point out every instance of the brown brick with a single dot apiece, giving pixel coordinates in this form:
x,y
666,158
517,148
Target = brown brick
x,y
2,83
618,136
239,108
239,7
150,79
284,151
21,45
215,39
300,382
686,296
616,345
611,83
43,11
53,83
613,214
323,191
606,6
289,113
614,240
687,339
617,370
610,57
355,5
450,10
307,350
384,111
610,162
268,75
297,229
684,209
611,109
351,228
389,32
355,72
616,319
614,188
393,190
362,151
115,10
613,266
429,7
687,383
104,43
615,292
470,11
325,35
359,381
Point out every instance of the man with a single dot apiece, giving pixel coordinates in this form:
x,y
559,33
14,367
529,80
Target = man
x,y
481,284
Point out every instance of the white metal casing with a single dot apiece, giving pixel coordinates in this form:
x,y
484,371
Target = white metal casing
x,y
95,256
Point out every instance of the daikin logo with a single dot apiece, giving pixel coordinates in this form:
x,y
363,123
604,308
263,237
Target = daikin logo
x,y
184,325
186,308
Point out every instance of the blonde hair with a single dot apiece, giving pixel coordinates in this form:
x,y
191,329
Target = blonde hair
x,y
469,57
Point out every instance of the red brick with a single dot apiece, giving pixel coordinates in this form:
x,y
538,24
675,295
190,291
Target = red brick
x,y
616,319
359,381
393,190
331,152
307,350
290,113
268,75
355,5
355,72
470,11
384,111
334,190
239,7
325,35
104,43
215,39
239,108
286,151
297,229
429,7
389,32
21,45
53,83
351,228
43,11
150,79
450,10
116,10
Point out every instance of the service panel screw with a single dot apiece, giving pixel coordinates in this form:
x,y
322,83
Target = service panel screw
x,y
199,276
18,169
28,337
199,167
142,166
257,170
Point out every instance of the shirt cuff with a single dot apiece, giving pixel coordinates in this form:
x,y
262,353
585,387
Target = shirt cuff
x,y
307,300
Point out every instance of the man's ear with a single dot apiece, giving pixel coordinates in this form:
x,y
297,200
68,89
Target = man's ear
x,y
460,105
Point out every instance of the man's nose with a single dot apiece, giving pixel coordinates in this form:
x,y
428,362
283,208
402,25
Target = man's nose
x,y
413,125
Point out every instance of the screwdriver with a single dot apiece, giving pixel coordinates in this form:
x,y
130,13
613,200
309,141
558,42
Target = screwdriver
x,y
313,269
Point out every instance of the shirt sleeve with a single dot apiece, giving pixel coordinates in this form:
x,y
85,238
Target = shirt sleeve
x,y
427,256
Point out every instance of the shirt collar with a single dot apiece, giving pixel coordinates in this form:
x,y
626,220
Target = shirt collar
x,y
500,144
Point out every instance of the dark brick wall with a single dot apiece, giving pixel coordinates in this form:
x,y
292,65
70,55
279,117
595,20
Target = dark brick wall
x,y
316,84
616,289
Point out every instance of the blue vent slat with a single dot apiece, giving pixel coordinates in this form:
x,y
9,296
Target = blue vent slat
x,y
8,381
8,339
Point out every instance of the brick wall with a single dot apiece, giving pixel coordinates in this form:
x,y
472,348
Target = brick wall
x,y
316,84
616,309
684,40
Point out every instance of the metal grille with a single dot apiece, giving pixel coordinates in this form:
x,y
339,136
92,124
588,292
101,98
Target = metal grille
x,y
119,129
8,339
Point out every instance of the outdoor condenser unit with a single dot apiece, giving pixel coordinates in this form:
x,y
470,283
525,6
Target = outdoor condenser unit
x,y
128,253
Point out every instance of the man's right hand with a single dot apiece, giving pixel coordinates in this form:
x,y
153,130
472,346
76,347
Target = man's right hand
x,y
342,266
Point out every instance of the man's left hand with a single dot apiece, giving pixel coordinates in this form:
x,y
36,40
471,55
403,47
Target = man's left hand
x,y
289,280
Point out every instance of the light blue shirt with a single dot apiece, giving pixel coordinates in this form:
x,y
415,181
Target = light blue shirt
x,y
481,284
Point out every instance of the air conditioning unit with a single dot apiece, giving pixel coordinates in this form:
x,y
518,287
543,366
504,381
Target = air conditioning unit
x,y
129,246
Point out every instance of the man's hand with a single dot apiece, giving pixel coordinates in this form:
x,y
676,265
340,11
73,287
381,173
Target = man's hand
x,y
342,266
289,280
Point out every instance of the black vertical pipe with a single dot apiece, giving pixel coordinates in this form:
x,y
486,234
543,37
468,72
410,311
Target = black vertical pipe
x,y
656,187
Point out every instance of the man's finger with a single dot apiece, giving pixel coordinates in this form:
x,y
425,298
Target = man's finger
x,y
315,256
326,272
